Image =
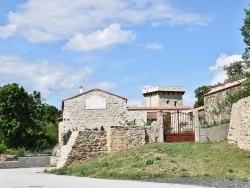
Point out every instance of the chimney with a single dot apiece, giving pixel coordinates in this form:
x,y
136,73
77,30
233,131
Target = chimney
x,y
81,89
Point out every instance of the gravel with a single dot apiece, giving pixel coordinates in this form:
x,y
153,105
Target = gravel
x,y
222,183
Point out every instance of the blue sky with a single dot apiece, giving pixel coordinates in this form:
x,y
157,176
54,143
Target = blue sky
x,y
117,45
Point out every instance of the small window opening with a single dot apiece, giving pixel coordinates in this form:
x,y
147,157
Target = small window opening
x,y
175,103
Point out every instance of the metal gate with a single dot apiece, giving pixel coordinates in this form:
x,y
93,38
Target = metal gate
x,y
178,127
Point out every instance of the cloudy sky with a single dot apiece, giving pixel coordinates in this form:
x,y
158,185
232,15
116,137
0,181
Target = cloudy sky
x,y
121,46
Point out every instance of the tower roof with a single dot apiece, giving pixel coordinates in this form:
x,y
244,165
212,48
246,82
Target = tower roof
x,y
164,88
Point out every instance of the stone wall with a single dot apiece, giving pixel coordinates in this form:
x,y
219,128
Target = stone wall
x,y
95,109
65,150
214,133
87,144
213,112
27,162
239,131
154,133
122,138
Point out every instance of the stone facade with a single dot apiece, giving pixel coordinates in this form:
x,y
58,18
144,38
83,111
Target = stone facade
x,y
96,109
239,131
213,99
163,96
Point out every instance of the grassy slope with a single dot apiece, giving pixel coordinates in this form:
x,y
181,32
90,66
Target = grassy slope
x,y
162,160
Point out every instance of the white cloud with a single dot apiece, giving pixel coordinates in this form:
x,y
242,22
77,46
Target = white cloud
x,y
101,39
46,77
47,21
154,46
7,31
217,69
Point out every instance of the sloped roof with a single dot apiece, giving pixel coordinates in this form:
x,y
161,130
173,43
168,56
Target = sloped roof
x,y
225,86
197,109
95,89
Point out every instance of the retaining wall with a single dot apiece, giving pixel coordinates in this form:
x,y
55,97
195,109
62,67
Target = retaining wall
x,y
27,162
89,143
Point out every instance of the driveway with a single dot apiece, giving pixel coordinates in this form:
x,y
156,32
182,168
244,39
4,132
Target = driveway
x,y
34,177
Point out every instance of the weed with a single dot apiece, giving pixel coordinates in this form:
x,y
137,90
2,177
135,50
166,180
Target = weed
x,y
149,162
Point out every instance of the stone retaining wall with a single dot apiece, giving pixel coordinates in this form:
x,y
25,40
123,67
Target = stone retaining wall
x,y
122,138
87,144
27,162
116,138
239,131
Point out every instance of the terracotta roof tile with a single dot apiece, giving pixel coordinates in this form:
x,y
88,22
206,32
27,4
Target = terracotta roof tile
x,y
198,108
225,86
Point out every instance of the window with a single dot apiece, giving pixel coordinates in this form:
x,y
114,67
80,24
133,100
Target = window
x,y
175,103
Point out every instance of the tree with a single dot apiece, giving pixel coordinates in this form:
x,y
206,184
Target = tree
x,y
199,94
239,67
235,71
245,31
23,118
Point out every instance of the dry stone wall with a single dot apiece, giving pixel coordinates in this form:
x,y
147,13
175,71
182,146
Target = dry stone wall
x,y
239,131
213,112
87,145
122,138
154,133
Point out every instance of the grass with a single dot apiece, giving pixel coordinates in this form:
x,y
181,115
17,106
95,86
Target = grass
x,y
167,160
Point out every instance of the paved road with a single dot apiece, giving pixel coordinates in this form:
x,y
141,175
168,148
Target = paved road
x,y
34,177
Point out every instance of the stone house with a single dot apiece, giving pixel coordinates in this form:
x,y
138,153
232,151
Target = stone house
x,y
213,99
95,110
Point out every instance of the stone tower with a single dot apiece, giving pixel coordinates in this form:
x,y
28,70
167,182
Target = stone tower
x,y
163,96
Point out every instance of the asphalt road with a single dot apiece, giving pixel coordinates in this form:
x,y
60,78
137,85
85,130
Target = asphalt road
x,y
34,177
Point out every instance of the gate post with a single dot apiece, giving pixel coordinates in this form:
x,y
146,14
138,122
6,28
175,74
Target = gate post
x,y
160,123
196,126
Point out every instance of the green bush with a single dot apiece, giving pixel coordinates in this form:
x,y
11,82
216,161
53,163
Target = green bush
x,y
3,148
20,152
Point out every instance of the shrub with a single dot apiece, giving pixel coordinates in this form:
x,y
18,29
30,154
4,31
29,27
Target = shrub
x,y
20,152
3,148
